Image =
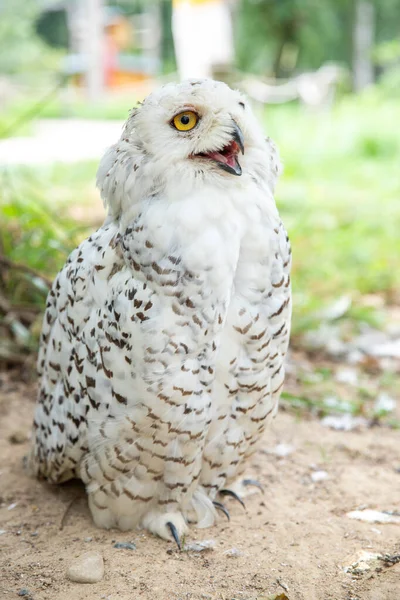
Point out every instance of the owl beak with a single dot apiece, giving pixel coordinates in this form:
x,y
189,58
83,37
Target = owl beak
x,y
232,165
230,162
227,158
238,136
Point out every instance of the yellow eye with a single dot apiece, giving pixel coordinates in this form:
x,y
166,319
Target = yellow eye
x,y
185,121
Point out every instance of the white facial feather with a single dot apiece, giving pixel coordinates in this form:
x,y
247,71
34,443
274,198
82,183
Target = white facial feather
x,y
153,156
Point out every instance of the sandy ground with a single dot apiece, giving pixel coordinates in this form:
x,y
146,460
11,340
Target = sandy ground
x,y
294,540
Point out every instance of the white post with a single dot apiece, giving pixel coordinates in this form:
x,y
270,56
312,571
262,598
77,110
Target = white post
x,y
95,49
203,36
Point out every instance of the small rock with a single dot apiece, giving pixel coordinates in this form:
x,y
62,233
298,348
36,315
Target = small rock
x,y
3,531
373,516
344,422
200,546
24,592
17,437
281,450
34,534
88,568
318,476
384,403
363,561
125,545
375,530
326,338
347,375
233,553
12,506
283,585
88,539
336,310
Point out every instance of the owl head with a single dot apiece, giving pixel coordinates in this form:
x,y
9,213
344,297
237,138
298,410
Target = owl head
x,y
198,132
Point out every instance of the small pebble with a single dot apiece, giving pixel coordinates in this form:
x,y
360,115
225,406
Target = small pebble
x,y
233,553
281,450
384,403
373,516
2,531
17,437
87,568
24,592
200,546
318,476
34,533
88,539
125,545
12,506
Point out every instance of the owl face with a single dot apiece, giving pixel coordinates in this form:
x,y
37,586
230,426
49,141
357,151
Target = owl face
x,y
192,137
199,125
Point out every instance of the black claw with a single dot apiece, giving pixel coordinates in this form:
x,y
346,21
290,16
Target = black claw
x,y
253,482
175,535
233,495
221,507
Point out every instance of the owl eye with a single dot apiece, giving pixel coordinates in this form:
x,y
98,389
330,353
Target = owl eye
x,y
185,121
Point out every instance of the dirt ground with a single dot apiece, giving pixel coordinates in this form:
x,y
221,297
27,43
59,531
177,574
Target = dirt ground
x,y
295,539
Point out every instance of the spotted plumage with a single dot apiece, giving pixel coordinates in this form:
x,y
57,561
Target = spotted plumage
x,y
164,337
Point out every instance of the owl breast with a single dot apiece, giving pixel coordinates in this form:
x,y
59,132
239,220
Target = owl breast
x,y
250,367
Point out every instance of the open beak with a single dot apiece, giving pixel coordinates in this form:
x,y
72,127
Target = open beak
x,y
227,158
238,136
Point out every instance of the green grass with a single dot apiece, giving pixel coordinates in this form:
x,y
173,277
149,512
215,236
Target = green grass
x,y
37,233
38,229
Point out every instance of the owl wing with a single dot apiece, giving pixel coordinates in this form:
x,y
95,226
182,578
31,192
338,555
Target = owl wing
x,y
78,292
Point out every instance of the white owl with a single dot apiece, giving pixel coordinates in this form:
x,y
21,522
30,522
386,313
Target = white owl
x,y
164,337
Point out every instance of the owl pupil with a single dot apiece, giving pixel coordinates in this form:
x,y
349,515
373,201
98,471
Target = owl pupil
x,y
185,120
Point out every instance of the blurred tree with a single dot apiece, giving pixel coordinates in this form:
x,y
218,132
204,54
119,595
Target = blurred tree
x,y
52,27
363,43
290,34
280,37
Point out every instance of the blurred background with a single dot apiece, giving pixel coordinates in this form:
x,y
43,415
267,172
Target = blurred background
x,y
324,79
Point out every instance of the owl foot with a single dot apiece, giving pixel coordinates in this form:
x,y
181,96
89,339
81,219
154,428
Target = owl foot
x,y
233,495
169,526
254,482
221,507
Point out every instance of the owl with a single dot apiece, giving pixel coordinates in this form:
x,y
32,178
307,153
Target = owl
x,y
162,352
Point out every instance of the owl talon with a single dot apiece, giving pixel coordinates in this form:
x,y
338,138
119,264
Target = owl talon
x,y
174,533
221,507
253,482
233,495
